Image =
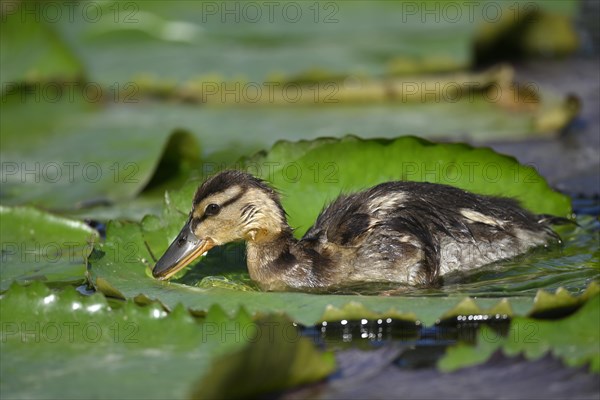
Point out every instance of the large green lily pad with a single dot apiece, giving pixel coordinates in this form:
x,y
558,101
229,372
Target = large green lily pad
x,y
65,345
82,154
121,266
261,42
38,246
311,173
31,50
268,42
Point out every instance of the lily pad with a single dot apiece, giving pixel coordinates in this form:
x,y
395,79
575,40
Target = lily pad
x,y
90,155
69,346
575,340
548,303
286,41
261,42
121,266
38,246
310,174
468,307
31,50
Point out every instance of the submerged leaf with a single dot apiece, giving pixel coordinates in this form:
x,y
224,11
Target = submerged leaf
x,y
277,358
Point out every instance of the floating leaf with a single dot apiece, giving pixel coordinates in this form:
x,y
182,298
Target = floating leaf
x,y
310,174
545,302
40,246
91,155
65,345
470,308
356,311
31,50
261,43
122,265
574,339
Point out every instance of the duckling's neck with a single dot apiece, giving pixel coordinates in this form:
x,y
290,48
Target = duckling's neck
x,y
270,258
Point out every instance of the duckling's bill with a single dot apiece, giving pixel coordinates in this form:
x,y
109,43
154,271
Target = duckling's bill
x,y
185,248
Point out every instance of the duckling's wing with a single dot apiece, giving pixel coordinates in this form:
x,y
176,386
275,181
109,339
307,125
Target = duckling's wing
x,y
342,221
434,219
392,206
375,231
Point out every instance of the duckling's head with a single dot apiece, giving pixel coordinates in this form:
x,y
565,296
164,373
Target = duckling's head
x,y
228,207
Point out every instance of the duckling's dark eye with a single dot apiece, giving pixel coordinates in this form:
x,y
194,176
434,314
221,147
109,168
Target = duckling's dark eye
x,y
212,209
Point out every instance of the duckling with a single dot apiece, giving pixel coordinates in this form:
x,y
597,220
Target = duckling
x,y
395,232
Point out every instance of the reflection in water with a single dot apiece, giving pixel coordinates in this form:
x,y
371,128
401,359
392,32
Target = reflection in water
x,y
422,346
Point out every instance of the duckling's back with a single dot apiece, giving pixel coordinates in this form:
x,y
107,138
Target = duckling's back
x,y
412,232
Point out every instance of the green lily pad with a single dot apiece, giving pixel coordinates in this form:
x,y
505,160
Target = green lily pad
x,y
99,153
287,41
65,345
545,302
469,307
575,340
122,265
81,154
261,42
31,50
309,174
38,246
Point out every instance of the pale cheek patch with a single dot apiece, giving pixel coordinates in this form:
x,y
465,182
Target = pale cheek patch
x,y
267,215
475,216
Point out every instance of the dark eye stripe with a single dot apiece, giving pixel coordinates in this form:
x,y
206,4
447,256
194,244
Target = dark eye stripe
x,y
225,204
233,199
